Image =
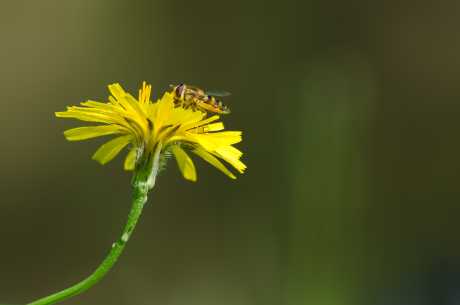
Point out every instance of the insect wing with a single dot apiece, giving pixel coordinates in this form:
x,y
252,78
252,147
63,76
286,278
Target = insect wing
x,y
220,93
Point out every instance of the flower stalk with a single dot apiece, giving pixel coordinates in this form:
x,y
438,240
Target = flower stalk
x,y
152,131
143,180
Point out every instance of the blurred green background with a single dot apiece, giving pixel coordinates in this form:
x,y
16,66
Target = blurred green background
x,y
350,112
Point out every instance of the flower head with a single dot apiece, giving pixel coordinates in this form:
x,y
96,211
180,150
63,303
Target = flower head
x,y
145,126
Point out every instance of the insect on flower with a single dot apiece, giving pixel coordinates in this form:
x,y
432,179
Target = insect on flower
x,y
187,96
147,125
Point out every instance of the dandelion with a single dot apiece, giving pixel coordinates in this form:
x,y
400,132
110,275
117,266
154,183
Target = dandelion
x,y
146,126
152,131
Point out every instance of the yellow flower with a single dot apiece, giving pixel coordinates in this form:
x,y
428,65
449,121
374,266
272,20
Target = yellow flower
x,y
145,125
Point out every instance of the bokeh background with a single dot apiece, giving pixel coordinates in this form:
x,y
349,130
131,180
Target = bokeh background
x,y
350,112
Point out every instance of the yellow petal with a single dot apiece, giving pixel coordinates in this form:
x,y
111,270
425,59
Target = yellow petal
x,y
99,105
215,140
85,116
184,116
109,150
215,126
126,100
208,128
109,115
136,106
130,160
230,152
231,155
184,162
192,125
117,90
213,161
163,109
84,133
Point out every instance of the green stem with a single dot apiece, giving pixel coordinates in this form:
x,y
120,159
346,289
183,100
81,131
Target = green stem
x,y
143,181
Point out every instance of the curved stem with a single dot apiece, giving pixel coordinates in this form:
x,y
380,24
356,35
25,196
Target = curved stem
x,y
143,181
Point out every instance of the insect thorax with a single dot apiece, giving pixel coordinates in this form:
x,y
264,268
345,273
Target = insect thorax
x,y
190,97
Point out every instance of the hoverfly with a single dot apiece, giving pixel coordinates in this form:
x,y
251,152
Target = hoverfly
x,y
192,97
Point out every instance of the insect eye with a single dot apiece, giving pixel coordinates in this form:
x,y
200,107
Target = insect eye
x,y
179,89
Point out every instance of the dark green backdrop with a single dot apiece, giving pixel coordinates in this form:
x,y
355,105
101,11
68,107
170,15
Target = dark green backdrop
x,y
350,117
